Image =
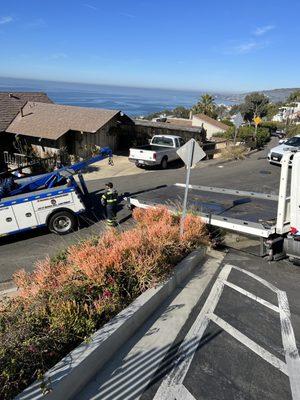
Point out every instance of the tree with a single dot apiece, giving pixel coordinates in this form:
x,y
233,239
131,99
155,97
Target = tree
x,y
235,109
206,105
255,105
295,96
222,111
272,109
181,112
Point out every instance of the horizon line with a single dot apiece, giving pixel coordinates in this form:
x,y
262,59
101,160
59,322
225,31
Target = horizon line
x,y
213,91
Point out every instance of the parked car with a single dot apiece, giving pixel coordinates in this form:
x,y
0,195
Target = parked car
x,y
276,153
278,133
160,151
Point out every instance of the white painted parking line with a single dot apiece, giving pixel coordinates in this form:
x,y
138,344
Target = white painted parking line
x,y
289,343
180,392
172,387
183,362
252,296
256,348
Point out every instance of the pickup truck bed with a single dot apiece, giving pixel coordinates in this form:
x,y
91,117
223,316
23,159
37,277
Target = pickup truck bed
x,y
152,147
247,212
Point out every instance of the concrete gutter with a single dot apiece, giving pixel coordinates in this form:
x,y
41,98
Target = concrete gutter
x,y
66,379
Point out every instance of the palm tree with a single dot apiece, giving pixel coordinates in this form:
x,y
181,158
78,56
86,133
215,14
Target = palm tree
x,y
206,105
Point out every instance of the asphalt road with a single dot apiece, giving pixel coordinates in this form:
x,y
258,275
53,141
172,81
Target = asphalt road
x,y
248,348
254,173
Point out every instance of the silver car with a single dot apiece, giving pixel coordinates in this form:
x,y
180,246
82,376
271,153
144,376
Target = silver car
x,y
276,153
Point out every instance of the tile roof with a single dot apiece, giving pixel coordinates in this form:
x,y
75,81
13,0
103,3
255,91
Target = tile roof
x,y
11,103
211,121
51,121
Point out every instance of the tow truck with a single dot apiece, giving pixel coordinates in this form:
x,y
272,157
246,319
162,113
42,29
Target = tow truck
x,y
275,219
53,199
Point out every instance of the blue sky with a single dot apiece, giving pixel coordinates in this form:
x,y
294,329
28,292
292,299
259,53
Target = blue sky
x,y
216,45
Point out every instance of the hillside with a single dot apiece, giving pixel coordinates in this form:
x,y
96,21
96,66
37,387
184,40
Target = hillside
x,y
275,95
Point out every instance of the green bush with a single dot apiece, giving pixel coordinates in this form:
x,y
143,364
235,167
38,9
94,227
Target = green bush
x,y
272,126
246,135
293,130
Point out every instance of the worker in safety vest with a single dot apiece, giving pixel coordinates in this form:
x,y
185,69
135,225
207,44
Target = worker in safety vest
x,y
109,200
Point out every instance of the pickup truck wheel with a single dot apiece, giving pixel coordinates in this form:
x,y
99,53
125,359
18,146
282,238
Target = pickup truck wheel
x,y
62,222
164,163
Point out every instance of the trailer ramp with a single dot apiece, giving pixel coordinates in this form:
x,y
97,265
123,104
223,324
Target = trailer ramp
x,y
242,211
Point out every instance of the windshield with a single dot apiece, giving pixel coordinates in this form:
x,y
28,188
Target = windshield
x,y
162,141
295,141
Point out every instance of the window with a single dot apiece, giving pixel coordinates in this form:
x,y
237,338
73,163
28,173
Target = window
x,y
295,141
162,141
181,142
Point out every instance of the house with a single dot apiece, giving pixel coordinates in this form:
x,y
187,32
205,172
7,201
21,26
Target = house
x,y
49,128
10,106
145,129
211,125
288,112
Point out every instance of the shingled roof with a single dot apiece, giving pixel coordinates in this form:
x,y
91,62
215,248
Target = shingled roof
x,y
51,121
211,121
11,103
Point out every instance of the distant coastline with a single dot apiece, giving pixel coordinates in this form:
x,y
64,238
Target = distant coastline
x,y
133,101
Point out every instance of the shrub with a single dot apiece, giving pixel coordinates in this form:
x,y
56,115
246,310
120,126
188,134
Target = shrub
x,y
234,152
246,135
66,298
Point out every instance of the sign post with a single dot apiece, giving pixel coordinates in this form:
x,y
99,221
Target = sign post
x,y
191,153
237,121
257,121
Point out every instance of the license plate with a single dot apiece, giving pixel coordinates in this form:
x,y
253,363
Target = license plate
x,y
275,158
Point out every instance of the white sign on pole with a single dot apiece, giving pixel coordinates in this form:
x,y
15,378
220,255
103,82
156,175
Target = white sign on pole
x,y
197,152
191,153
238,120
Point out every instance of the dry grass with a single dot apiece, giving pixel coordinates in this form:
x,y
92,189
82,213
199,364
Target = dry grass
x,y
234,152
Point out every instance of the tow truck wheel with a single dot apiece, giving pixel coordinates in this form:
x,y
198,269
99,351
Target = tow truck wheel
x,y
62,222
164,163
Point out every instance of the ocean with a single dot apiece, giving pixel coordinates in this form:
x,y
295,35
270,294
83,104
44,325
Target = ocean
x,y
132,101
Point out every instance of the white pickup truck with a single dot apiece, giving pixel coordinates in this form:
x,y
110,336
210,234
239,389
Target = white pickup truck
x,y
161,150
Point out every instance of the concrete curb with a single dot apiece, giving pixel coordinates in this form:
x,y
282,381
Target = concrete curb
x,y
72,373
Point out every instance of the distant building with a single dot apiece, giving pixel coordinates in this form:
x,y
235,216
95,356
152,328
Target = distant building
x,y
211,125
288,112
50,127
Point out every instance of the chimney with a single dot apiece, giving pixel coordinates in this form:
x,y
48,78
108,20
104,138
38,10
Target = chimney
x,y
191,114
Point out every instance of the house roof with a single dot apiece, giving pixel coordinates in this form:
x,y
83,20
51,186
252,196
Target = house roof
x,y
211,121
11,103
51,121
165,125
180,122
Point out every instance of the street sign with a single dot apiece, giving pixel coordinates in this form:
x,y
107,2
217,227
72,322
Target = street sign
x,y
257,120
191,148
238,120
191,153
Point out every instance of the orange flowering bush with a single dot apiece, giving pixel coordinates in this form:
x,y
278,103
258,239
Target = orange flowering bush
x,y
66,298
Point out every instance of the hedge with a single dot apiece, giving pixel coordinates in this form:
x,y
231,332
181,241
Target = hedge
x,y
70,296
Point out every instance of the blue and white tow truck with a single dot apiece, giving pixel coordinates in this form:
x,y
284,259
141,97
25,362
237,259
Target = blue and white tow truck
x,y
53,199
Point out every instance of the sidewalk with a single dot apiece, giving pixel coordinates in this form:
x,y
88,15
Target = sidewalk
x,y
129,373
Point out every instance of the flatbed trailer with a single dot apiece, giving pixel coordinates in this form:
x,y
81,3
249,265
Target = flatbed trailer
x,y
247,212
269,217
